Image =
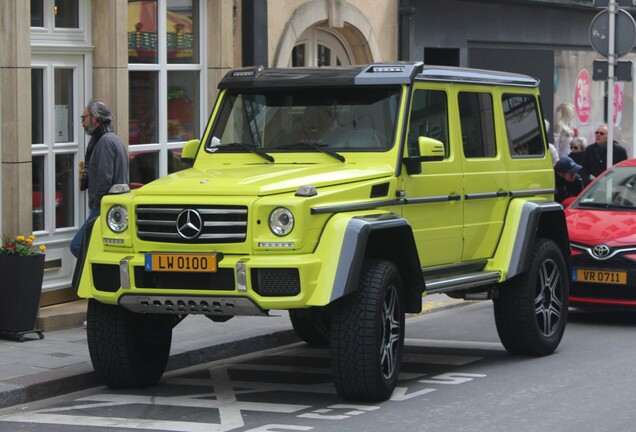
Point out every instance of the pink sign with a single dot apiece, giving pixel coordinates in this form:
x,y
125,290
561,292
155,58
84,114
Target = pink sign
x,y
618,102
582,97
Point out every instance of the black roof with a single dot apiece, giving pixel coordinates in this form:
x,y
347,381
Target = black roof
x,y
374,74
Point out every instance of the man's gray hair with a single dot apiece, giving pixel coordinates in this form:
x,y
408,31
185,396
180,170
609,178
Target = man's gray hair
x,y
100,111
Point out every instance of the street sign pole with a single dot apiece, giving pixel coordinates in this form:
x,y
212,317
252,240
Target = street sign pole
x,y
613,10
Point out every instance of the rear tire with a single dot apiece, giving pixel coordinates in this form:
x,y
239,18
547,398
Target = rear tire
x,y
367,335
311,325
128,350
531,309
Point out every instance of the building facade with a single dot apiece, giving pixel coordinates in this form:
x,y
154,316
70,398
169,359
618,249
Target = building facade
x,y
548,39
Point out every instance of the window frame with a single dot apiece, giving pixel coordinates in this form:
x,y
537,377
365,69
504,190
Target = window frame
x,y
162,68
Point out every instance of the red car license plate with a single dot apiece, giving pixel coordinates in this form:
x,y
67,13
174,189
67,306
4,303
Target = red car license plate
x,y
601,276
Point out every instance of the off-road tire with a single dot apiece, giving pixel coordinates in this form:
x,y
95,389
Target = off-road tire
x,y
367,335
311,325
127,350
531,309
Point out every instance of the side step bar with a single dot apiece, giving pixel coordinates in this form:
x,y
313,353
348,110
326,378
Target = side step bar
x,y
459,282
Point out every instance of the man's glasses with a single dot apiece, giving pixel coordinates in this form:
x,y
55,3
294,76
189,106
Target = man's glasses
x,y
599,133
83,117
574,148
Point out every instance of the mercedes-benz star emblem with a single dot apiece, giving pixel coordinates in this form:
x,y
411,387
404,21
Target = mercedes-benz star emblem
x,y
601,251
189,224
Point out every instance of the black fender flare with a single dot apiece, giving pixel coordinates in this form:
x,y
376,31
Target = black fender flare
x,y
384,236
538,219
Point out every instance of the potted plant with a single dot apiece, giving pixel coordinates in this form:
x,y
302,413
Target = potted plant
x,y
21,274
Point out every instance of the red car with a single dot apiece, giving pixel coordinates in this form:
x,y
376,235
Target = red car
x,y
602,228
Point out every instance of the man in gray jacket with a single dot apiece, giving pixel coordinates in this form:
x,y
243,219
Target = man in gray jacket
x,y
105,162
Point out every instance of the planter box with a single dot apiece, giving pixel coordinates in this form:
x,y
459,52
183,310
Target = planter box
x,y
20,290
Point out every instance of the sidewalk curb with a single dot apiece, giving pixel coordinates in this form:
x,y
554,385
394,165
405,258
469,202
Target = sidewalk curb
x,y
68,379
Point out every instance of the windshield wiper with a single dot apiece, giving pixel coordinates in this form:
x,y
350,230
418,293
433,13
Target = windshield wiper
x,y
320,147
253,148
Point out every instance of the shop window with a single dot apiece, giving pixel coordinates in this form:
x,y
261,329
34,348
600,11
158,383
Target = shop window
x,y
38,193
64,190
183,105
37,13
63,105
37,106
165,74
66,14
143,97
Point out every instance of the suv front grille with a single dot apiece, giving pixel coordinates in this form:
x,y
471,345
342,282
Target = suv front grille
x,y
221,223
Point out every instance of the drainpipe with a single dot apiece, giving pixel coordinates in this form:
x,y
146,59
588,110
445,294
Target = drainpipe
x,y
254,23
406,11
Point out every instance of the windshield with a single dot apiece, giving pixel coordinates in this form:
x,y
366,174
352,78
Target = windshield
x,y
329,120
616,188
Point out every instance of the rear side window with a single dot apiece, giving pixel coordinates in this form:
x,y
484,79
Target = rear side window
x,y
523,125
478,125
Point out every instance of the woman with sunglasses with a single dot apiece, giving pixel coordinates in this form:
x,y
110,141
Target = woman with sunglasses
x,y
595,160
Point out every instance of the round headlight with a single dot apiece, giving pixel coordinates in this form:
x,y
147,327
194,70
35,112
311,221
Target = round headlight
x,y
117,218
281,221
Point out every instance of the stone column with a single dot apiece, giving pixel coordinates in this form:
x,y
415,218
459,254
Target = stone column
x,y
15,116
110,59
223,42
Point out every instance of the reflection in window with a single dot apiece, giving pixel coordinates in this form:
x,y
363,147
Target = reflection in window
x,y
142,127
174,161
37,13
524,128
143,167
429,118
37,106
142,31
64,190
66,14
182,31
38,193
183,105
63,105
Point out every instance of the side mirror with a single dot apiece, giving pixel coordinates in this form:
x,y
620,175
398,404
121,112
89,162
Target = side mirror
x,y
431,149
428,149
189,151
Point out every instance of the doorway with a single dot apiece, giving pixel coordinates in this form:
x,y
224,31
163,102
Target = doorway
x,y
58,142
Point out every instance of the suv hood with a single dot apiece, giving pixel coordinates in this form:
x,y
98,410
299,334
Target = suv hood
x,y
261,179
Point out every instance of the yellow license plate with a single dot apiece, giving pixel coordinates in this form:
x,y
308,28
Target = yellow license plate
x,y
601,276
163,262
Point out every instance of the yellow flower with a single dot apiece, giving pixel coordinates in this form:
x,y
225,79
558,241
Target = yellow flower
x,y
28,242
32,238
42,248
20,238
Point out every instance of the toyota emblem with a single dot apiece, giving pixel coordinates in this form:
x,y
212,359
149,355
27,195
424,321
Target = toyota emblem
x,y
601,251
189,224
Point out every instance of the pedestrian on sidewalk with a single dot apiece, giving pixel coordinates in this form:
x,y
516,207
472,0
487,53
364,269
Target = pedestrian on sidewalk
x,y
595,160
105,162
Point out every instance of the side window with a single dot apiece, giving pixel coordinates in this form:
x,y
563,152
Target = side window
x,y
523,126
478,125
429,118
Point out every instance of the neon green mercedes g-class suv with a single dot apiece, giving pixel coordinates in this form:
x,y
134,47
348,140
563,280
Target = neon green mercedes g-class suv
x,y
343,195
